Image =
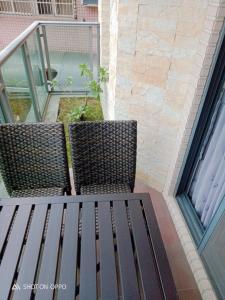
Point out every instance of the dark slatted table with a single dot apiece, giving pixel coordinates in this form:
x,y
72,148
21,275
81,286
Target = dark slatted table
x,y
83,247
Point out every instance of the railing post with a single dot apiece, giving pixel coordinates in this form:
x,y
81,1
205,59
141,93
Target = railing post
x,y
4,102
31,82
42,59
12,5
46,52
54,8
34,8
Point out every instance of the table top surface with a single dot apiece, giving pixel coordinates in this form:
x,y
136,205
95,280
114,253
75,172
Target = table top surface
x,y
93,247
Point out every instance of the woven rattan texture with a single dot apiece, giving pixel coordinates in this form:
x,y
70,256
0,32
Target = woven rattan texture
x,y
105,189
38,192
103,152
33,156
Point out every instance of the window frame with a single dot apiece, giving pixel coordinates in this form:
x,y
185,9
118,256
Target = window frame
x,y
210,98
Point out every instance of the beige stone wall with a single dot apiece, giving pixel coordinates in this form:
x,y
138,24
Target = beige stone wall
x,y
153,58
204,60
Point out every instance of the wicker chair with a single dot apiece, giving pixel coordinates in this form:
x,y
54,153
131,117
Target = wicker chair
x,y
104,156
33,159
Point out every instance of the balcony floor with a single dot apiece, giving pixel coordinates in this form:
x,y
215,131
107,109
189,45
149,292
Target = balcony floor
x,y
183,277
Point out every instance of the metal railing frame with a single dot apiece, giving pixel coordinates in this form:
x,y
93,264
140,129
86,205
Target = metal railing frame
x,y
31,82
20,41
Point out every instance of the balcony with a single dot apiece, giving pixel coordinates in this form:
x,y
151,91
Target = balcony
x,y
146,88
44,52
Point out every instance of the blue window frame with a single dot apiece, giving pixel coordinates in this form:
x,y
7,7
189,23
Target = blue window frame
x,y
200,135
197,142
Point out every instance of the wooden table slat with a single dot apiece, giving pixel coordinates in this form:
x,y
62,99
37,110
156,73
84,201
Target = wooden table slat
x,y
88,289
108,279
12,251
31,253
128,278
6,216
159,251
50,253
69,253
148,270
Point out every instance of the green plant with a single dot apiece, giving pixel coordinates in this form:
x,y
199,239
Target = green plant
x,y
78,113
95,88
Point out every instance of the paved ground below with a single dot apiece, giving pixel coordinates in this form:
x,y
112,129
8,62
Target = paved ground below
x,y
12,26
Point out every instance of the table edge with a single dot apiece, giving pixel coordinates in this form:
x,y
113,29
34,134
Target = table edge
x,y
74,199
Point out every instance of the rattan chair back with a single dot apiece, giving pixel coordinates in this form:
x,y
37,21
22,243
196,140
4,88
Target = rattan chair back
x,y
33,156
103,152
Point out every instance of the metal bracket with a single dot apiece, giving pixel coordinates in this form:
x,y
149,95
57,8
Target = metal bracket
x,y
39,35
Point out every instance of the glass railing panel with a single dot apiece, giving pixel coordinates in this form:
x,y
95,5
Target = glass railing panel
x,y
38,69
69,46
2,119
59,47
17,88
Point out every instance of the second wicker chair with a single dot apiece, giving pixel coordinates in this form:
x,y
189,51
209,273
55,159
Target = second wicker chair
x,y
104,156
33,159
